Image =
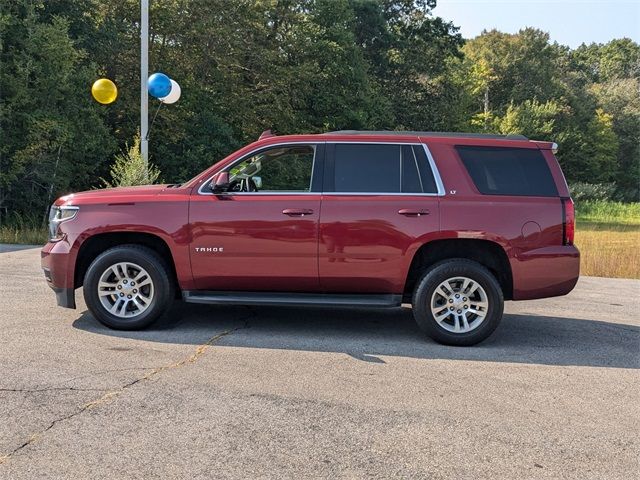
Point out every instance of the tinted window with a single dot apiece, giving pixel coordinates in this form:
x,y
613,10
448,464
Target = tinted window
x,y
426,175
375,168
508,171
367,168
411,181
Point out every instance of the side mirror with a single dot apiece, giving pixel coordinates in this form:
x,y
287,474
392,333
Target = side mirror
x,y
220,183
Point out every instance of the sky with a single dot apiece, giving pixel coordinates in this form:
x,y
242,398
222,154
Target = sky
x,y
569,22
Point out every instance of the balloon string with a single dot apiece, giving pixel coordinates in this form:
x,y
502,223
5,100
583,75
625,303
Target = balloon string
x,y
153,120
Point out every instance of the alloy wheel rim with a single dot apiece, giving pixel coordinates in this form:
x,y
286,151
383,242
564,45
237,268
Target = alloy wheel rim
x,y
459,304
125,289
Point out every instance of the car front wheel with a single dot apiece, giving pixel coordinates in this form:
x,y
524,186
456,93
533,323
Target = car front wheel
x,y
458,302
128,287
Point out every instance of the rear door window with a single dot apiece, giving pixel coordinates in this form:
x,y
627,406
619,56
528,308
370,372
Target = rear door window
x,y
379,168
367,168
419,157
508,171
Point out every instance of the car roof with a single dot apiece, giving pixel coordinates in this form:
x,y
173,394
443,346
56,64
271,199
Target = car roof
x,y
387,136
428,134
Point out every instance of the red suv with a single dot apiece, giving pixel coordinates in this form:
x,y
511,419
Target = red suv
x,y
453,224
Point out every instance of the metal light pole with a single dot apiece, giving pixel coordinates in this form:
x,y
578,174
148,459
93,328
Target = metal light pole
x,y
144,75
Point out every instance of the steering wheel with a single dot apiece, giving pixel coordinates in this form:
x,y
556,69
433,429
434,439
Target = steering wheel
x,y
244,185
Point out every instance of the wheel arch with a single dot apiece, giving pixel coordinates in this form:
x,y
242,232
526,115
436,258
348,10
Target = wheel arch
x,y
488,253
96,244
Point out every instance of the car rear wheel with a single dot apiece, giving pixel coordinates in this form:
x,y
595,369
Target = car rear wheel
x,y
458,302
128,287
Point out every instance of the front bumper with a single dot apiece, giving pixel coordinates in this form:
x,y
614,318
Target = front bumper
x,y
66,297
545,272
57,261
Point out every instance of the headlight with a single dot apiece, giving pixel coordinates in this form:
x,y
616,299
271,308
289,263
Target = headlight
x,y
58,215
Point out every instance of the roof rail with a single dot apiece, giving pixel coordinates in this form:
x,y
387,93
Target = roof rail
x,y
429,134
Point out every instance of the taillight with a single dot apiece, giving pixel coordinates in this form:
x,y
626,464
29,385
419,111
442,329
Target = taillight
x,y
568,221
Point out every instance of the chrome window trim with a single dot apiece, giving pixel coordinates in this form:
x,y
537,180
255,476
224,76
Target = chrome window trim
x,y
282,192
376,194
434,170
383,194
432,164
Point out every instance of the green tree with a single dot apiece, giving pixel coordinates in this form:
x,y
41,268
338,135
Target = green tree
x,y
54,137
530,118
293,66
129,168
408,52
616,59
620,99
599,164
610,74
501,69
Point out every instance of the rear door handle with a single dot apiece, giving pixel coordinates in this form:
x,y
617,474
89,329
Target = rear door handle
x,y
411,212
297,212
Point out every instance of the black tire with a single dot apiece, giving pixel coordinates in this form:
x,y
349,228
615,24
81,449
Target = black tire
x,y
158,271
441,272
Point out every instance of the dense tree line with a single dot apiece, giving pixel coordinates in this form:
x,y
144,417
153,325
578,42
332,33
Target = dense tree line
x,y
293,66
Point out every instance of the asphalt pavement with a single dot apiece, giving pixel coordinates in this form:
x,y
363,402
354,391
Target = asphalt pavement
x,y
265,392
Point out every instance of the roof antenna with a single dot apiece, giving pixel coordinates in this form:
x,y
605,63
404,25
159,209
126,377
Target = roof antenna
x,y
266,134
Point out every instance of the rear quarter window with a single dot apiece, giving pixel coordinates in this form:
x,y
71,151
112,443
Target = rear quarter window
x,y
508,171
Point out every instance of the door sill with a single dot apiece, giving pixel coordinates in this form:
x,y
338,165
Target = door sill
x,y
293,299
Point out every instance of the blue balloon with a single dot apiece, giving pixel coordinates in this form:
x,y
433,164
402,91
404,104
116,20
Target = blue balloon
x,y
159,85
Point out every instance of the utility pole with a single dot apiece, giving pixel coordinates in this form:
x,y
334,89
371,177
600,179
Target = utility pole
x,y
144,75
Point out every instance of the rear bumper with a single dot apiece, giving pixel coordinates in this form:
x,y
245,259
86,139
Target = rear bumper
x,y
57,264
545,272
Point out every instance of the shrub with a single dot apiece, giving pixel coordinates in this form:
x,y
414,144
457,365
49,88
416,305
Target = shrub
x,y
581,191
129,168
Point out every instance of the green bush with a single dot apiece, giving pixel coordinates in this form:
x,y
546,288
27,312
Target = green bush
x,y
581,191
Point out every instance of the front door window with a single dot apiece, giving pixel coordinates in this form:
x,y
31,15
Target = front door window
x,y
279,169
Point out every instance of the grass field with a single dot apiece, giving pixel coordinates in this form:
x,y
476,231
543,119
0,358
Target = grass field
x,y
611,213
609,250
607,234
25,230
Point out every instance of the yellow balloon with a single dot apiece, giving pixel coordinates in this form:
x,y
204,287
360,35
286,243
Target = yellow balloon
x,y
104,91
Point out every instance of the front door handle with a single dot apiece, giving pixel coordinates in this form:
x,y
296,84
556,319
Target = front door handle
x,y
297,212
411,212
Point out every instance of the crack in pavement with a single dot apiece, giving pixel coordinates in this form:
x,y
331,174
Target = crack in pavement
x,y
52,389
115,393
102,372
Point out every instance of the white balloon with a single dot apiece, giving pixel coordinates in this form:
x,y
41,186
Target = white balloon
x,y
174,94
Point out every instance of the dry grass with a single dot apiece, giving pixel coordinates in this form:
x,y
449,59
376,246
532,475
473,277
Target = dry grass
x,y
24,229
609,250
23,235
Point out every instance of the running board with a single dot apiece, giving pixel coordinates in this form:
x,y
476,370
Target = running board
x,y
293,299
